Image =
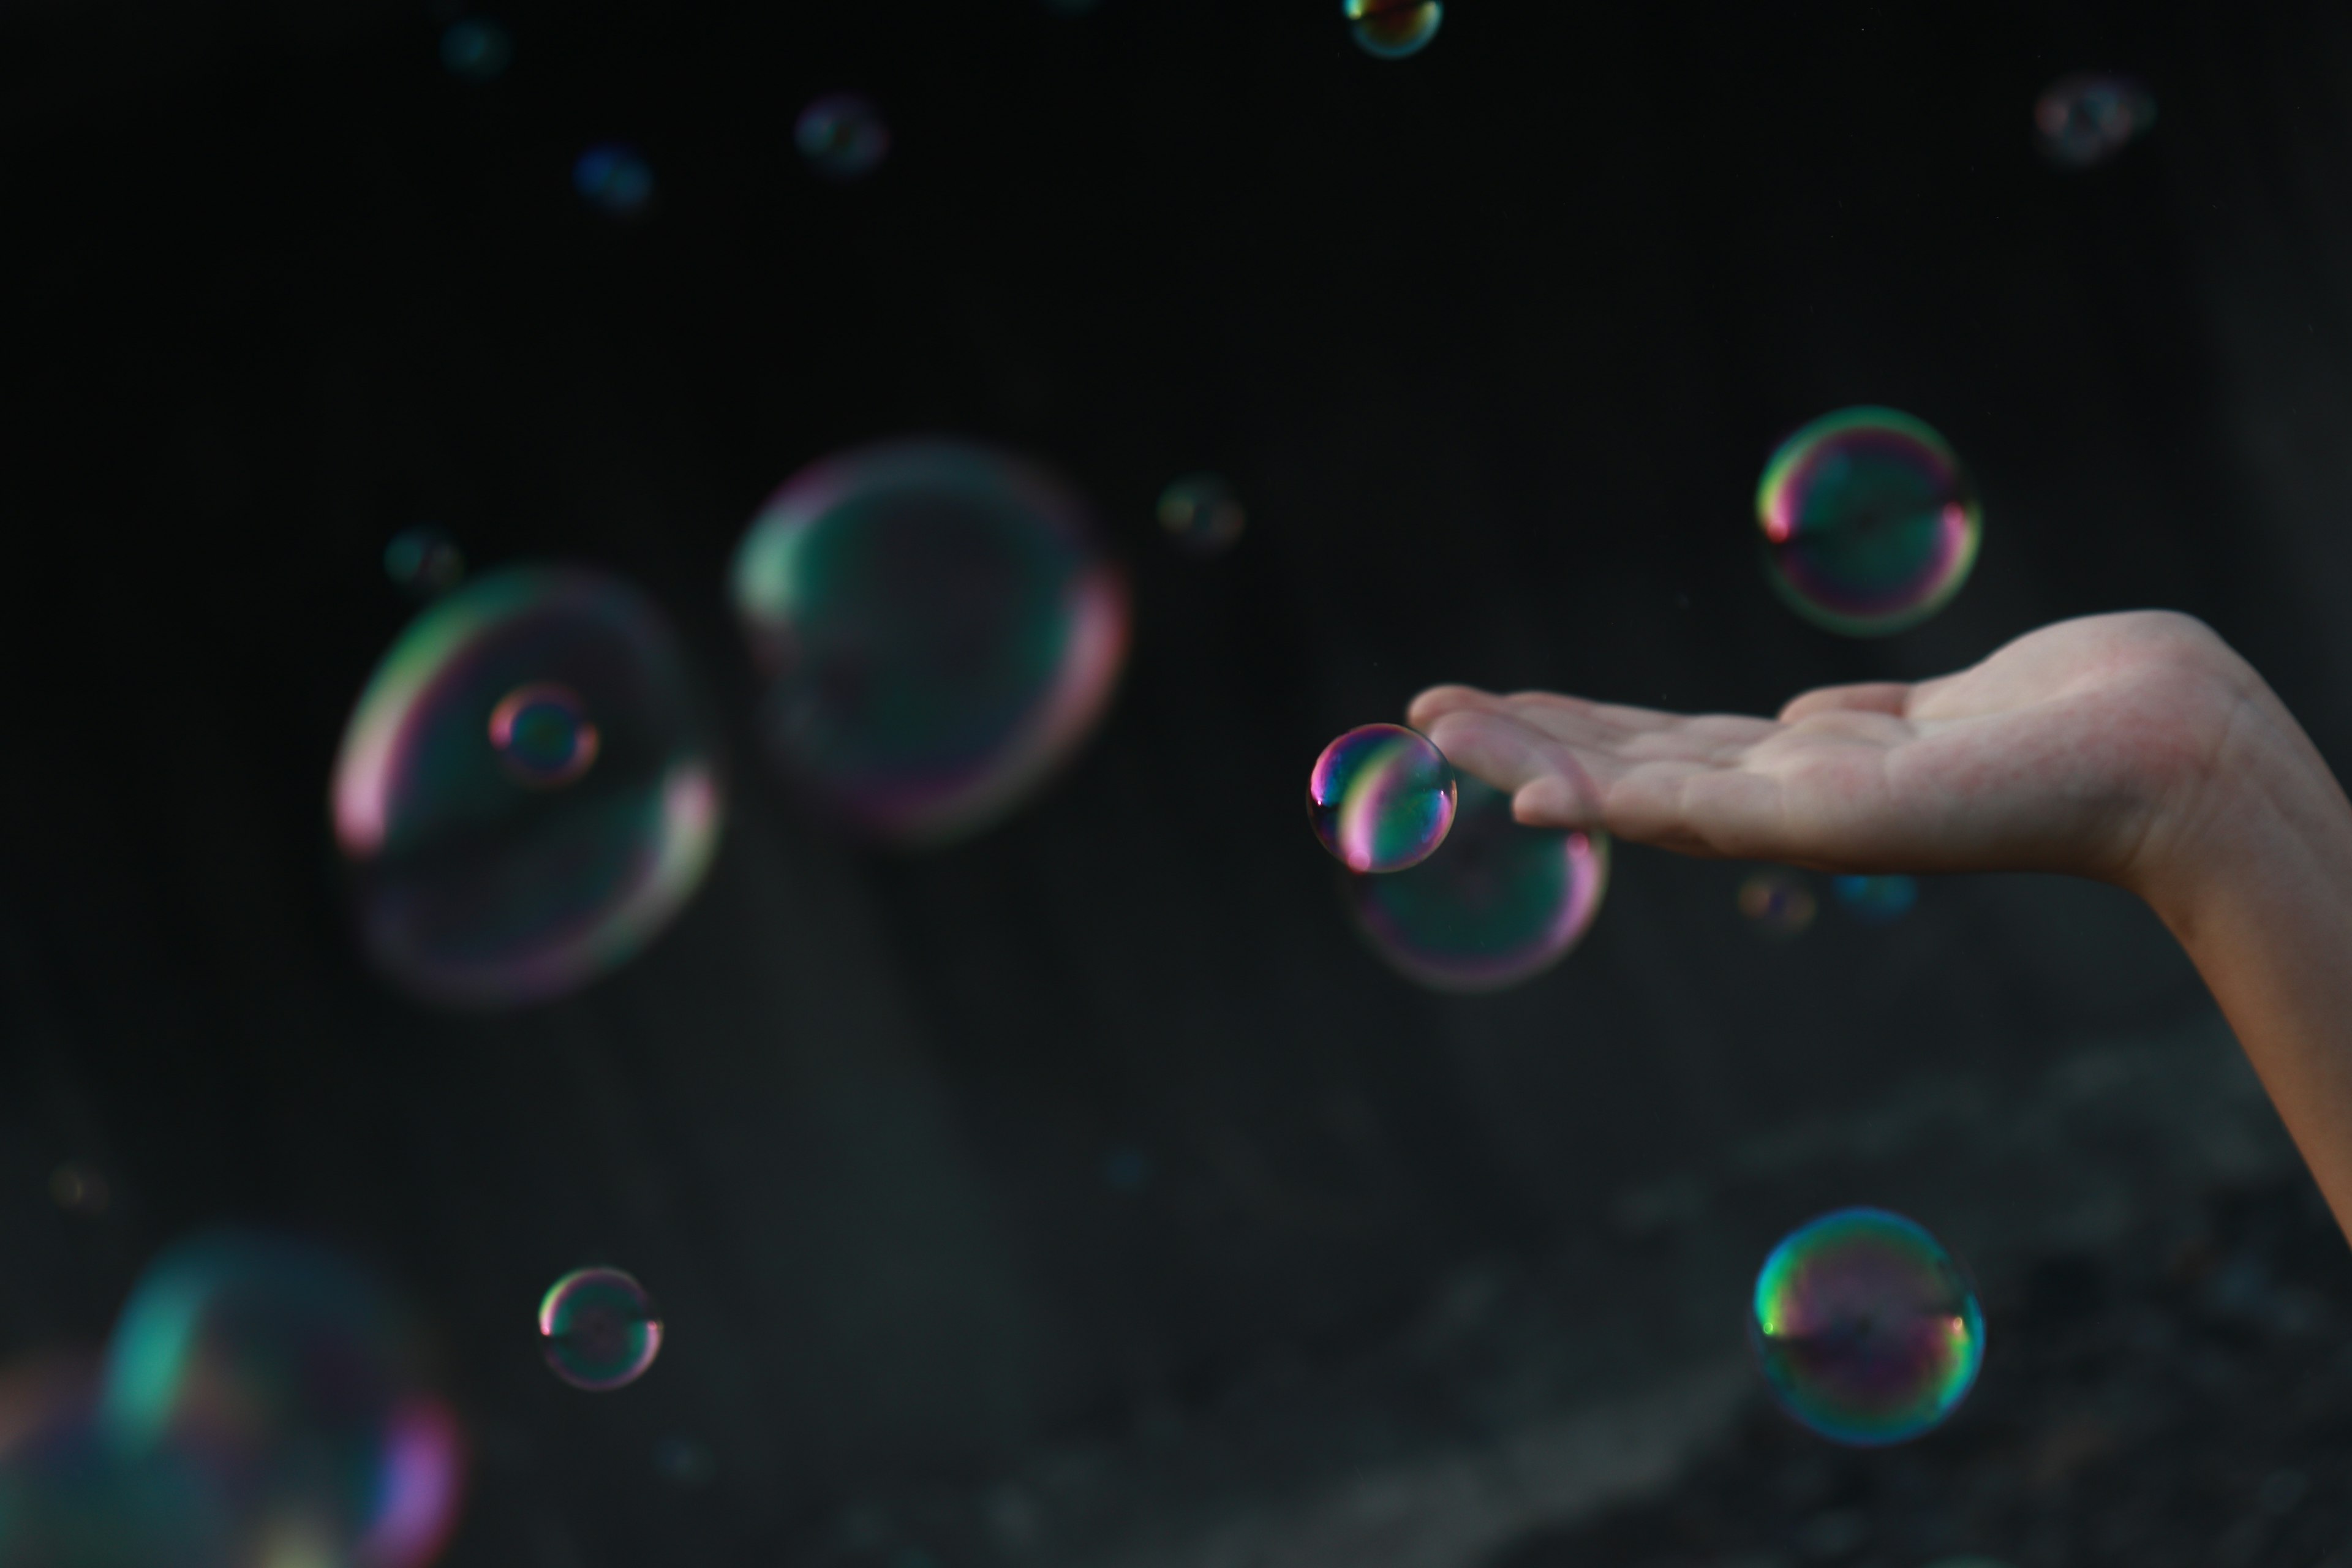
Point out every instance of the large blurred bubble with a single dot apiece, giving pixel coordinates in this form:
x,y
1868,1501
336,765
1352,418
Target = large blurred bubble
x,y
938,630
527,791
1495,904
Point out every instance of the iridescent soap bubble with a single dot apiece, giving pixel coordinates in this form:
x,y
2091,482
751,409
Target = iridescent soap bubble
x,y
1382,798
2083,120
843,136
1870,523
1868,1330
425,561
1777,903
599,1328
292,1381
938,630
1392,29
1497,904
71,1498
1201,513
476,49
614,178
527,791
1876,899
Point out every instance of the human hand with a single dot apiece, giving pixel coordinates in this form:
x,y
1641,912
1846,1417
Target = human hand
x,y
2091,746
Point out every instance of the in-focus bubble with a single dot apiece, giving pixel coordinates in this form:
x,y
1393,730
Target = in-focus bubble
x,y
1392,29
77,1188
938,631
1382,798
614,178
293,1382
1870,523
843,136
1876,899
477,49
543,734
1777,903
527,792
599,1328
1868,1330
1201,513
424,561
1496,905
2083,120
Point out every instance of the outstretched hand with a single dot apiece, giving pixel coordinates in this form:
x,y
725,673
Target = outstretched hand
x,y
2084,747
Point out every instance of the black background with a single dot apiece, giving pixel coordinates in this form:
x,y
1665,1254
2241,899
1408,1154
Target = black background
x,y
1491,341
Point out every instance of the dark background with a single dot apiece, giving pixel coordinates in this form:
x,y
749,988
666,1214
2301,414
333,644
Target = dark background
x,y
1491,341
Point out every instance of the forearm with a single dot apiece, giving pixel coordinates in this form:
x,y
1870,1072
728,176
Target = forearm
x,y
2256,883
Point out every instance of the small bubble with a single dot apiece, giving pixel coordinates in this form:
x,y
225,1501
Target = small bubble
x,y
1876,900
843,136
2083,120
599,1328
614,178
1777,903
1201,513
685,1461
424,561
1127,1170
1392,29
78,1189
477,49
543,735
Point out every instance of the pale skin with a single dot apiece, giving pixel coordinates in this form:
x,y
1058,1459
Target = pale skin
x,y
2136,750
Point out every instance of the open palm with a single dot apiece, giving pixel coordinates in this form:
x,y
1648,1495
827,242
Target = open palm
x,y
2069,750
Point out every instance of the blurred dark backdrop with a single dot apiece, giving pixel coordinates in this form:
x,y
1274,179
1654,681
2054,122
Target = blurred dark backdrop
x,y
1492,343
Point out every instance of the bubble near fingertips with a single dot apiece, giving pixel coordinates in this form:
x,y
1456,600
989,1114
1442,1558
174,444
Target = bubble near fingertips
x,y
2083,120
599,1328
1868,1332
1494,906
1777,904
1393,29
1382,798
938,631
528,790
1870,523
1876,900
843,136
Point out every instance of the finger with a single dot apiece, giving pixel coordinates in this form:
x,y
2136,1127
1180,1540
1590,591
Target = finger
x,y
1439,700
1509,755
1889,697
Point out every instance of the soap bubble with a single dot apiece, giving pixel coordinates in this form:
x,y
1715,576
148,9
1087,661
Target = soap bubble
x,y
494,865
1868,1330
614,178
290,1381
2083,120
1392,29
938,630
1779,904
1497,904
599,1328
1201,515
1876,899
425,561
71,1498
843,136
476,49
1380,797
1870,523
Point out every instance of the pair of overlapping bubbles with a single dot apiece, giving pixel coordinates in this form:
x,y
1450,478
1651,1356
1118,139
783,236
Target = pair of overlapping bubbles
x,y
530,788
1446,886
262,1402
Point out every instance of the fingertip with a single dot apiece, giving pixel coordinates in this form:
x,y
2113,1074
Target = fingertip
x,y
1888,697
1550,802
1439,700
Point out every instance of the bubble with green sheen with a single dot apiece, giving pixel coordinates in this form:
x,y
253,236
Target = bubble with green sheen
x,y
1392,29
1876,900
425,561
528,790
599,1328
1380,797
1868,1330
937,630
1200,512
1496,905
476,49
1870,523
290,1382
1777,903
613,178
